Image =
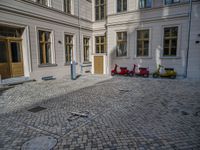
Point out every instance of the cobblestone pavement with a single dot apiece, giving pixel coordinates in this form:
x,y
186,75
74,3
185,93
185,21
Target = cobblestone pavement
x,y
28,94
123,113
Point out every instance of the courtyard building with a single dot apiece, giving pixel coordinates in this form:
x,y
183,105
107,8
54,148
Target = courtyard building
x,y
42,37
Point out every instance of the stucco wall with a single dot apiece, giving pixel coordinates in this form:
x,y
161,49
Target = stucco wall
x,y
194,51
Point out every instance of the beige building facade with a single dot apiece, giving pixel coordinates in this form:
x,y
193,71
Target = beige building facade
x,y
41,37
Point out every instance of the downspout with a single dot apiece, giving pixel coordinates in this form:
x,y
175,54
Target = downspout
x,y
106,34
188,42
79,24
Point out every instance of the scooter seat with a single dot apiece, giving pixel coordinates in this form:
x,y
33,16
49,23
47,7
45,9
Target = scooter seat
x,y
169,69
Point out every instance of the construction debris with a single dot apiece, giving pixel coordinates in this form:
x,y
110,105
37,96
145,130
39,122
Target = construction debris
x,y
76,115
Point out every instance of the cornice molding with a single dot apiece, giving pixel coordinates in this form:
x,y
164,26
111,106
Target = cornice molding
x,y
29,15
169,17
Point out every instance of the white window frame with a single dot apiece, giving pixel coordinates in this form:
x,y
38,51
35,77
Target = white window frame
x,y
53,59
145,7
90,47
116,1
123,29
49,3
126,44
164,4
178,41
150,43
74,46
72,8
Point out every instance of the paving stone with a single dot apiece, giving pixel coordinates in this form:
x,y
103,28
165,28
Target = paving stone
x,y
150,114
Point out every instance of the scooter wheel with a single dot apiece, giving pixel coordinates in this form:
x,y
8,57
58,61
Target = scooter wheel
x,y
130,74
112,74
173,77
155,75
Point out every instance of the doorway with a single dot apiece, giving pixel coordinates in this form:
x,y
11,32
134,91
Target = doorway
x,y
11,59
98,64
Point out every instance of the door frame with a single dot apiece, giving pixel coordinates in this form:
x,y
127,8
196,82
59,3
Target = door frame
x,y
8,41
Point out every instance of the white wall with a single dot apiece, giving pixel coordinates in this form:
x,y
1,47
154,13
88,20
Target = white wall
x,y
194,52
34,17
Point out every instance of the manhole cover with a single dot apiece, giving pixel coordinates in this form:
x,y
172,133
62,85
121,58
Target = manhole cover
x,y
36,109
40,143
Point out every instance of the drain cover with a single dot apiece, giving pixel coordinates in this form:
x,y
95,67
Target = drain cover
x,y
36,109
124,90
40,143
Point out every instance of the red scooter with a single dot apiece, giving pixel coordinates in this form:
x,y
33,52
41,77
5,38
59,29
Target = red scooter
x,y
123,71
144,72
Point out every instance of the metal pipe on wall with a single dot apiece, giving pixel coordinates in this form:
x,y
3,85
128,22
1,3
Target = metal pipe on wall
x,y
188,41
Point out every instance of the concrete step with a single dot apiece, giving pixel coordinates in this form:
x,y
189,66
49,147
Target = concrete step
x,y
15,81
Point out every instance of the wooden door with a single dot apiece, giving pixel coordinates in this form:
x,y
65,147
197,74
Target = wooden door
x,y
16,60
98,64
4,59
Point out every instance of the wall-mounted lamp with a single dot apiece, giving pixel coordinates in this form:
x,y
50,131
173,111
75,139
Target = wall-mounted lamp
x,y
59,42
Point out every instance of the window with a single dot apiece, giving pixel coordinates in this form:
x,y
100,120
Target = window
x,y
67,6
100,9
45,47
121,44
167,2
143,42
3,52
100,42
170,41
145,3
121,5
68,48
10,32
42,2
86,49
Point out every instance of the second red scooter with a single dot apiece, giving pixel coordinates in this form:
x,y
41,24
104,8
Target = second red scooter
x,y
144,72
123,71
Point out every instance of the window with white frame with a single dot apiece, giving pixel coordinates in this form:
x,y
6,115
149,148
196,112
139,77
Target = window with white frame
x,y
145,3
121,44
143,43
100,9
45,47
121,5
67,6
100,44
168,2
86,47
42,2
68,48
170,41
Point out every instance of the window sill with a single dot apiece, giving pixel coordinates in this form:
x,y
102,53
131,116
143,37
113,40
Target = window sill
x,y
170,57
122,57
47,65
142,57
146,8
87,62
98,21
69,63
121,12
172,4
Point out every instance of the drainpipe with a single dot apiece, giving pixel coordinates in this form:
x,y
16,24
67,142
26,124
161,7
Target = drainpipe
x,y
79,34
188,42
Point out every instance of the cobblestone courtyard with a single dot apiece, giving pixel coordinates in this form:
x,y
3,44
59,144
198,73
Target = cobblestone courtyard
x,y
123,113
